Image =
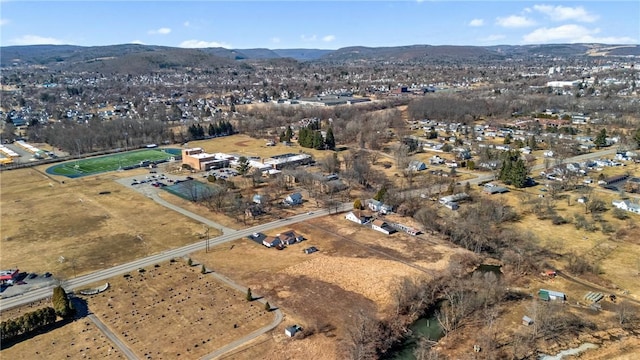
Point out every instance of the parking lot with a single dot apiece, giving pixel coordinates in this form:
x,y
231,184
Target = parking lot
x,y
224,173
25,282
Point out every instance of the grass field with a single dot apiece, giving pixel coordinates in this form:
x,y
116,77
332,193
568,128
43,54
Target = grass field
x,y
92,221
192,190
100,164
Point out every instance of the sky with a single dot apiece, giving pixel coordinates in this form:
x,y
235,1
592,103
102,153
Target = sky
x,y
317,24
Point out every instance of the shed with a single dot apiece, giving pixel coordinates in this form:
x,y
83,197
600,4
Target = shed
x,y
548,295
527,320
292,330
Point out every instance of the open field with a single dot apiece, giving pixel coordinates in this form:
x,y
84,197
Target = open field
x,y
356,270
616,253
70,228
100,164
248,146
79,339
173,305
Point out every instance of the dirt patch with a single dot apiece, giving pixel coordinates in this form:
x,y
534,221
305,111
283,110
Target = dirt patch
x,y
191,314
241,143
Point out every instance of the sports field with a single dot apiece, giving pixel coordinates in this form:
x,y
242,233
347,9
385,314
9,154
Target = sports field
x,y
126,160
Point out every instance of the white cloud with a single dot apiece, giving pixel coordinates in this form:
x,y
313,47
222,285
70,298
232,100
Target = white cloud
x,y
275,40
308,38
37,40
161,31
139,42
4,22
186,24
328,38
514,21
572,33
202,44
476,22
563,13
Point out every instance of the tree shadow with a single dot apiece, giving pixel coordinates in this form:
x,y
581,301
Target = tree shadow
x,y
81,311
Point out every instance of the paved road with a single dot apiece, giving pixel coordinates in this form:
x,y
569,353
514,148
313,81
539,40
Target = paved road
x,y
114,339
85,280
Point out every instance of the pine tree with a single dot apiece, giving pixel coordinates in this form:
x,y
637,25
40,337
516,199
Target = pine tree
x,y
330,141
203,270
601,139
249,295
243,165
267,306
288,134
318,140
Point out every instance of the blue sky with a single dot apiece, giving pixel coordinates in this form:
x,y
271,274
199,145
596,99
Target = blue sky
x,y
317,24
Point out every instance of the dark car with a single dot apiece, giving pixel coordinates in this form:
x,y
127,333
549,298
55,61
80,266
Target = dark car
x,y
47,274
32,275
310,250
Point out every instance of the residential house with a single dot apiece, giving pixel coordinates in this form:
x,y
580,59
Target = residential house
x,y
495,189
271,241
382,226
416,165
454,198
290,237
436,160
451,205
374,205
632,185
253,211
293,199
627,205
358,217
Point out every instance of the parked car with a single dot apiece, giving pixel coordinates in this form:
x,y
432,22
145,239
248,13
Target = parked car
x,y
47,274
32,275
310,250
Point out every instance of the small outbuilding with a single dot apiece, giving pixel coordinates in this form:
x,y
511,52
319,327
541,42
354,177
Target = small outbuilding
x,y
527,320
292,330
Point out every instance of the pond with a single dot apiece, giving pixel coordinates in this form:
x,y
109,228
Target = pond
x,y
427,326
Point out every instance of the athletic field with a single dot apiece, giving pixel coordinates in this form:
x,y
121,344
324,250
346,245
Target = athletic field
x,y
120,161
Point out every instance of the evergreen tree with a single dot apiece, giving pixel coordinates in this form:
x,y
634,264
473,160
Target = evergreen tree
x,y
601,139
318,140
380,194
330,141
249,295
267,306
533,143
636,137
243,165
61,303
288,134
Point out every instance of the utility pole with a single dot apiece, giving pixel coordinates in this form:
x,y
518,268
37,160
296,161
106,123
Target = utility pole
x,y
206,249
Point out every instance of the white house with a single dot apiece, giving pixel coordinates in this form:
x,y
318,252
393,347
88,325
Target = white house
x,y
627,206
292,330
358,217
381,226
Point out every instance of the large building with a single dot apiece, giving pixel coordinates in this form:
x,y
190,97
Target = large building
x,y
199,160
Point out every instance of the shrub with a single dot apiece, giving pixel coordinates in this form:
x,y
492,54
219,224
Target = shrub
x,y
28,322
267,306
203,270
189,262
620,214
249,295
558,220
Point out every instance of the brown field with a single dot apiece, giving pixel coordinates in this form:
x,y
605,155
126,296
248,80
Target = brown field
x,y
43,219
79,339
248,146
355,270
188,313
616,253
